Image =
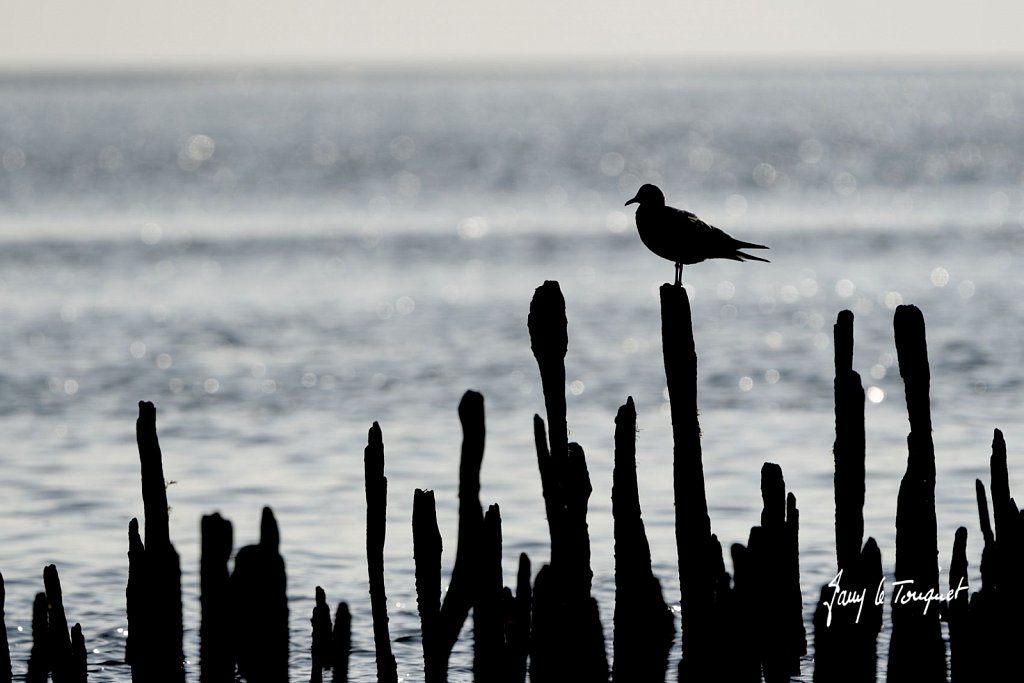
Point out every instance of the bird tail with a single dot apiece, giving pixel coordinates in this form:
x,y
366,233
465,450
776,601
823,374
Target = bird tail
x,y
749,245
748,257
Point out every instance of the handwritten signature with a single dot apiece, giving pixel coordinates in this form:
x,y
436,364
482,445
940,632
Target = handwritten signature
x,y
905,593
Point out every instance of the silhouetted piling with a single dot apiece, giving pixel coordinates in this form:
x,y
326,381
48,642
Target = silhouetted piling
x,y
458,598
260,607
549,340
376,525
59,640
916,649
135,598
744,664
782,639
846,630
65,650
5,650
78,665
156,628
693,525
39,658
567,639
1009,531
544,633
320,649
517,622
848,449
426,545
957,613
341,642
976,660
489,662
644,626
1004,510
994,630
216,658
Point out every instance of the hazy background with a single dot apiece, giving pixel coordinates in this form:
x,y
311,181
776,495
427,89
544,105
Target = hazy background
x,y
52,34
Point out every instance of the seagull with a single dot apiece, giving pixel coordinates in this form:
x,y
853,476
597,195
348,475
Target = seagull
x,y
680,236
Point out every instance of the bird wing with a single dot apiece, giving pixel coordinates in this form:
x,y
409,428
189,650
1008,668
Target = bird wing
x,y
708,236
713,242
695,223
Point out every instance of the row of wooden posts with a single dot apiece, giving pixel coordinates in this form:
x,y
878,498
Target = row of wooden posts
x,y
747,626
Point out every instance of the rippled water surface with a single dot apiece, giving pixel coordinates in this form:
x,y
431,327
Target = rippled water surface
x,y
278,260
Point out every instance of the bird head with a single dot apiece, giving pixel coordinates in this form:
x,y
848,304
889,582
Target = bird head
x,y
648,194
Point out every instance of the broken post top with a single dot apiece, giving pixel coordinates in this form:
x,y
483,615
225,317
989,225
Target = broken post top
x,y
270,536
843,335
549,339
547,323
373,455
773,496
674,294
217,533
51,583
627,413
154,487
134,539
983,516
912,354
374,437
471,407
471,415
147,413
911,346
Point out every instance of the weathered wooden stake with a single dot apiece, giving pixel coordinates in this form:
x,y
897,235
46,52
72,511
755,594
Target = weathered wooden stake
x,y
376,525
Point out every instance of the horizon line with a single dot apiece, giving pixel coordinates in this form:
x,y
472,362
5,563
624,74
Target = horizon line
x,y
442,65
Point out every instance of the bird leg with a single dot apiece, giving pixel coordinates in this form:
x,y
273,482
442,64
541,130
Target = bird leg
x,y
679,274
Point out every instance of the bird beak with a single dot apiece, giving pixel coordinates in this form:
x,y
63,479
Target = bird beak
x,y
634,200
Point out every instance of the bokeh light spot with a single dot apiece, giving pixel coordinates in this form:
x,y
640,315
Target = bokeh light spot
x,y
736,205
612,164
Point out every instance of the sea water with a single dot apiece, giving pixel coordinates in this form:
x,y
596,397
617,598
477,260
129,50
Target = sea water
x,y
278,259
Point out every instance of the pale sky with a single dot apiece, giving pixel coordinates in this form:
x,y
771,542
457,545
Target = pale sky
x,y
60,34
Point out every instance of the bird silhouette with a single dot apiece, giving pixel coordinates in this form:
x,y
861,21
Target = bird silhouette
x,y
681,237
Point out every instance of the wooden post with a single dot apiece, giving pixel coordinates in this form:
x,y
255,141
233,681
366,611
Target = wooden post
x,y
693,525
39,659
845,635
489,661
341,642
216,658
957,614
644,626
458,598
260,599
320,650
376,525
517,622
849,448
916,649
5,650
567,640
157,650
426,543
